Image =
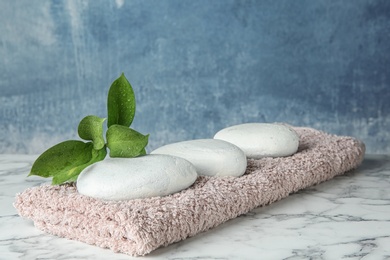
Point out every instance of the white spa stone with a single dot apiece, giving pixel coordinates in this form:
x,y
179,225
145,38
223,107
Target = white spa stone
x,y
209,156
133,178
259,140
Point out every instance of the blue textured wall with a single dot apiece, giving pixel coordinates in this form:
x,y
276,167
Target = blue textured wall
x,y
195,66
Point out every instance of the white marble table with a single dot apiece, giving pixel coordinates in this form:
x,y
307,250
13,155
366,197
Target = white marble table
x,y
345,218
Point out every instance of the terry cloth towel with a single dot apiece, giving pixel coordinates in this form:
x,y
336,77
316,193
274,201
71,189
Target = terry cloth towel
x,y
137,227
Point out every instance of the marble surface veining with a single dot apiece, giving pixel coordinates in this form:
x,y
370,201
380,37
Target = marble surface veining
x,y
347,217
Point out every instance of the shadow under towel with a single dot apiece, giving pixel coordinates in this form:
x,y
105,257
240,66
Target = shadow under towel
x,y
137,227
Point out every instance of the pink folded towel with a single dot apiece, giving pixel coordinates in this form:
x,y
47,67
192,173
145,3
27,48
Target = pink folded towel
x,y
137,227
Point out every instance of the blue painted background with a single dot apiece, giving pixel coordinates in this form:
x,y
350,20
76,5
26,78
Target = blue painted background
x,y
195,66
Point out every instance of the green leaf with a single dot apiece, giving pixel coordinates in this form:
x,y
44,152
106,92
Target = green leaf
x,y
120,103
71,176
143,151
91,128
125,142
66,160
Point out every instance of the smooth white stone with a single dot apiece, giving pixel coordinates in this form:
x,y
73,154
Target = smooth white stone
x,y
133,178
210,157
259,140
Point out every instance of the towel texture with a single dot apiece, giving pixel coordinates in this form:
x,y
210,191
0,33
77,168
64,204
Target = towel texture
x,y
137,227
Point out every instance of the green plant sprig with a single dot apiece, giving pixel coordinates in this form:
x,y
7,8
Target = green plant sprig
x,y
65,161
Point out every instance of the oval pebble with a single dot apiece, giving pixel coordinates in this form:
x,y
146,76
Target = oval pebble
x,y
135,178
259,140
210,157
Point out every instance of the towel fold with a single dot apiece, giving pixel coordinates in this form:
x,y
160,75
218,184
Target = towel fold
x,y
137,227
